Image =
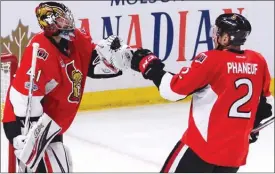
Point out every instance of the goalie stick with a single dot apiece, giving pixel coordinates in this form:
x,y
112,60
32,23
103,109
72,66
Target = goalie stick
x,y
263,125
35,46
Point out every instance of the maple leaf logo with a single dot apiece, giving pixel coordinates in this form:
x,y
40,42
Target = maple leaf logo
x,y
16,42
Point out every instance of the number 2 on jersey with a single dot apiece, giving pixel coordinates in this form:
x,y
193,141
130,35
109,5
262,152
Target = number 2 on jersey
x,y
234,109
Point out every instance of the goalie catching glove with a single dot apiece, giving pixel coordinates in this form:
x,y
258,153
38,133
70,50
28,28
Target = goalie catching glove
x,y
30,149
114,53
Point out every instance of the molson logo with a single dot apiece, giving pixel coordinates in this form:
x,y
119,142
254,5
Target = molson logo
x,y
133,2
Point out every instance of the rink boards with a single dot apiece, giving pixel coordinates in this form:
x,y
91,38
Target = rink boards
x,y
121,97
127,97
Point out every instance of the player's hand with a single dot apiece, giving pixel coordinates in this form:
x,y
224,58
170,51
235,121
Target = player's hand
x,y
114,53
146,62
253,137
20,140
264,111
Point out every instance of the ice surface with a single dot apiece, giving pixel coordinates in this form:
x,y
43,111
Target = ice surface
x,y
139,139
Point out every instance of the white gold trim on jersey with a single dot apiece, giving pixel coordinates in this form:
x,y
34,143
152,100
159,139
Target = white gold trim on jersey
x,y
165,89
203,102
20,101
178,158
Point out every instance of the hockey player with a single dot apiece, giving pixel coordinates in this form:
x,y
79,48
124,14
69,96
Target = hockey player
x,y
65,58
230,90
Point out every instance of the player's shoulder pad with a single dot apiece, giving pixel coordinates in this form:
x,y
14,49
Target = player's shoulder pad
x,y
43,42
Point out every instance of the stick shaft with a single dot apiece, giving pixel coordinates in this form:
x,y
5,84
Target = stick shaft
x,y
32,75
263,125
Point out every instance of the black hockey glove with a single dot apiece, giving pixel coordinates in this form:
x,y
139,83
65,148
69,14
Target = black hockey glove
x,y
253,137
148,64
264,111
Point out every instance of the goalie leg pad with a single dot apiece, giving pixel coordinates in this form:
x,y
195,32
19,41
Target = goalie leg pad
x,y
37,140
58,158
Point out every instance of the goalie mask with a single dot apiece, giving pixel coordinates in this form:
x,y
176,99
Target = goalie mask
x,y
55,19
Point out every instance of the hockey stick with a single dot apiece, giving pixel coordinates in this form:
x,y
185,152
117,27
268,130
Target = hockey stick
x,y
35,47
263,125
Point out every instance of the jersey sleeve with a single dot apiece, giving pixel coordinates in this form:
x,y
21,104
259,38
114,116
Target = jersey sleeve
x,y
85,40
188,80
19,90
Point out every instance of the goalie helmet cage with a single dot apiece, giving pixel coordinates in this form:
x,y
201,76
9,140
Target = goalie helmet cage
x,y
9,64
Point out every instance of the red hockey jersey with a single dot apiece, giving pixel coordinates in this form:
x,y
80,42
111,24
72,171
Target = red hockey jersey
x,y
226,88
59,80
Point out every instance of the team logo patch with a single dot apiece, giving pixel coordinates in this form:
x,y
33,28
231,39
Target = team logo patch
x,y
75,76
201,58
42,54
28,84
234,17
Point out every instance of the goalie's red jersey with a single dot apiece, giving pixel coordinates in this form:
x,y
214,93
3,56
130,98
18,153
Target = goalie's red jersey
x,y
226,87
59,80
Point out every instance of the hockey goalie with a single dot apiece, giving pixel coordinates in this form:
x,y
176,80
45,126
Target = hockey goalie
x,y
66,56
